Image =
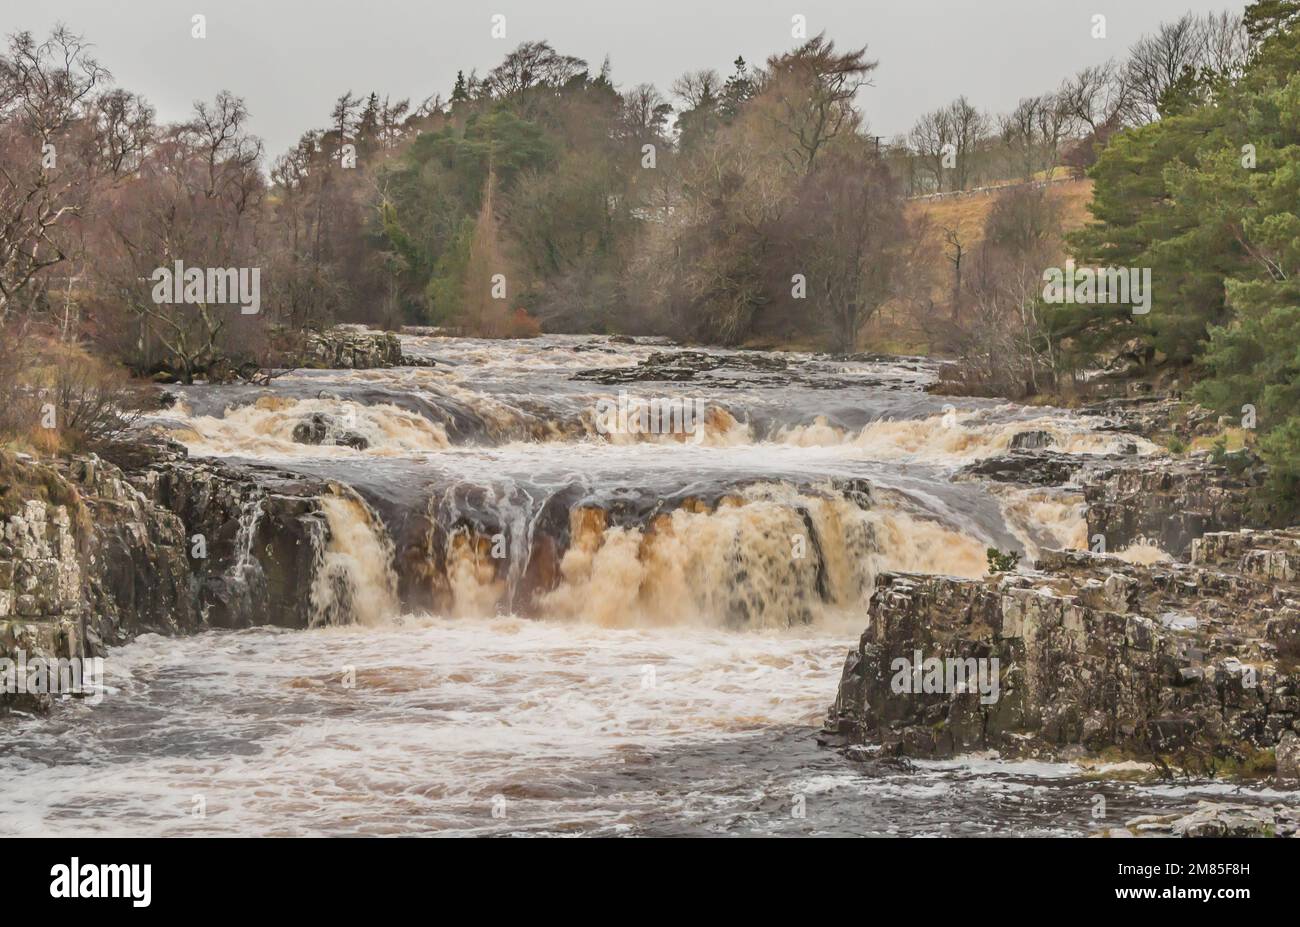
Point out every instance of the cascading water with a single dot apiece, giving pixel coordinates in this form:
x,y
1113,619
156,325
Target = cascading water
x,y
607,628
355,579
538,488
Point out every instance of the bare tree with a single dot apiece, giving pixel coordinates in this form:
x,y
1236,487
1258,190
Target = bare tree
x,y
1096,98
533,64
1157,62
218,132
698,88
930,138
1224,43
1033,132
969,128
856,233
955,252
47,92
194,204
125,123
700,114
644,113
811,91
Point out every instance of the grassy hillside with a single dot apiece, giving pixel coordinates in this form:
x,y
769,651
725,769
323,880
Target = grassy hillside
x,y
907,324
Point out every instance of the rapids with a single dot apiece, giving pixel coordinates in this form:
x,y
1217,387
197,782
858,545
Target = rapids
x,y
540,611
534,477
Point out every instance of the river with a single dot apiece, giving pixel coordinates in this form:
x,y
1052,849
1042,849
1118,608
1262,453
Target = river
x,y
536,618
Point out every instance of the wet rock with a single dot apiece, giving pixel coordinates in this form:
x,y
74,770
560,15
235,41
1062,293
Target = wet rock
x,y
1026,467
1169,502
1153,417
1288,757
174,545
351,349
1031,440
1168,662
264,534
312,431
1214,819
731,369
322,429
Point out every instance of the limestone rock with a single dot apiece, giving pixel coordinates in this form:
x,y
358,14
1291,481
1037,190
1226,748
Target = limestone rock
x,y
1170,662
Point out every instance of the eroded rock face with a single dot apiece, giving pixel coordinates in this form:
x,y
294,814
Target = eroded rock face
x,y
41,606
1175,663
1288,757
349,349
262,534
1170,502
175,546
137,573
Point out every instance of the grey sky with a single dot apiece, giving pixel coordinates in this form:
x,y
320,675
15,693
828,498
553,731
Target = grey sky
x,y
290,58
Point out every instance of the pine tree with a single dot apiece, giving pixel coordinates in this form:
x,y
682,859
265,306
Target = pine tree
x,y
738,90
368,125
460,93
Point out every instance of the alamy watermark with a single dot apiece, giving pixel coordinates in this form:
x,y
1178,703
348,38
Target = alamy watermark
x,y
62,676
209,285
76,879
949,675
1126,286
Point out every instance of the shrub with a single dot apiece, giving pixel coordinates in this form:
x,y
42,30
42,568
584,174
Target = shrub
x,y
56,397
1000,562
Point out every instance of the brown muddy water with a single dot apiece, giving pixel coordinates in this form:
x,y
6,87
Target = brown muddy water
x,y
618,632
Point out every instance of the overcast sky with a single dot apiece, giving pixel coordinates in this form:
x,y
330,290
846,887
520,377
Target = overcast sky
x,y
290,58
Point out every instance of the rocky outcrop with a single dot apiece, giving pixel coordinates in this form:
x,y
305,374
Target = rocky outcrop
x,y
1156,416
170,545
41,605
678,366
1179,664
254,537
1167,501
353,349
1024,468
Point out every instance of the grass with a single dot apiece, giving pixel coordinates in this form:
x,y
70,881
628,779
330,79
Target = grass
x,y
902,326
23,482
1235,439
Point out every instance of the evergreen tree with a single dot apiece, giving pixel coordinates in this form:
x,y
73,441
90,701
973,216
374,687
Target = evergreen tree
x,y
738,90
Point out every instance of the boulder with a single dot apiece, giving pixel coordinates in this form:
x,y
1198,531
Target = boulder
x,y
1288,757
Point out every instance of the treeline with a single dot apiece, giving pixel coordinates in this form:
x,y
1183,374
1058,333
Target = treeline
x,y
750,207
537,195
754,207
1208,198
958,146
591,209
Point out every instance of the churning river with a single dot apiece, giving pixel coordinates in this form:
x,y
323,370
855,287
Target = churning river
x,y
559,623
